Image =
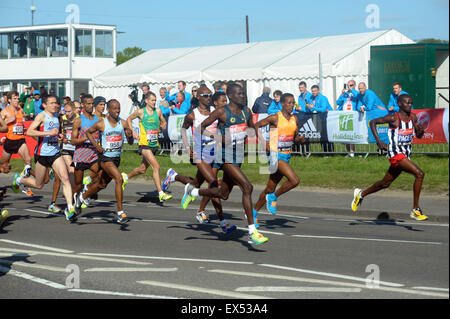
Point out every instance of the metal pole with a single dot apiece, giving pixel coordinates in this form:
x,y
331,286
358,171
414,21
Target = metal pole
x,y
246,27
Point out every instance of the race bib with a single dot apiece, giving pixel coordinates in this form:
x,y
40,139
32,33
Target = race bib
x,y
285,142
52,141
238,133
114,142
18,129
405,136
152,136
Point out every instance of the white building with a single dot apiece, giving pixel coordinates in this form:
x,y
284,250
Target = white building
x,y
57,56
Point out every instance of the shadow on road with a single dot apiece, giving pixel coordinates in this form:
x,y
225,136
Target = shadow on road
x,y
383,219
7,262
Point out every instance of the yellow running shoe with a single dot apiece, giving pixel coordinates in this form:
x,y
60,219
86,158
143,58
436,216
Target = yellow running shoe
x,y
357,199
164,197
125,181
417,214
256,238
3,216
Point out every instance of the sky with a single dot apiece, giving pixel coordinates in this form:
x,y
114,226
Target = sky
x,y
180,23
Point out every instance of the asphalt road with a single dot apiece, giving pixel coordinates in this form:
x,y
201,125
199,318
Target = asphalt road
x,y
164,253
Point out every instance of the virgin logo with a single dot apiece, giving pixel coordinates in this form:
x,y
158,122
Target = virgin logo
x,y
424,119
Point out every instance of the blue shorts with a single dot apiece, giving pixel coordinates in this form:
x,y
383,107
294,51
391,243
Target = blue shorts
x,y
280,157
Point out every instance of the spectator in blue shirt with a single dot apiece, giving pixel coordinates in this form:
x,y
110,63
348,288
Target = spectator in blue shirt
x,y
392,104
182,105
163,103
263,102
304,95
275,106
182,89
317,103
368,100
348,99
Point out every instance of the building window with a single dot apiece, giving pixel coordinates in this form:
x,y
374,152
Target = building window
x,y
3,46
83,42
38,43
58,43
19,44
103,44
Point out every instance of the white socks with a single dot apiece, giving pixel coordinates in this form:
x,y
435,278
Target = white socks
x,y
251,229
120,213
161,193
194,192
172,178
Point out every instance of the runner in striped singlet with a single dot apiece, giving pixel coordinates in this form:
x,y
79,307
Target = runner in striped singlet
x,y
402,126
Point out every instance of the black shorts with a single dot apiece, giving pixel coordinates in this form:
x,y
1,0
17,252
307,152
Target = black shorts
x,y
115,160
46,161
146,147
67,152
13,146
82,166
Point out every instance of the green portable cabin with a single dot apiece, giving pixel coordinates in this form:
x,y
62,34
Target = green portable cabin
x,y
421,68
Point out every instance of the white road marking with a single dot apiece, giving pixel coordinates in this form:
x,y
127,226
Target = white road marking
x,y
329,282
296,289
371,239
122,294
431,288
131,269
59,250
391,284
41,212
23,275
171,258
202,290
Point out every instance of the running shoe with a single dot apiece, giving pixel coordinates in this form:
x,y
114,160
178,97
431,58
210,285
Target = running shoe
x,y
255,219
122,218
70,214
271,203
15,185
201,218
417,214
256,238
164,197
3,216
28,192
125,180
357,199
77,203
25,172
87,180
187,198
85,203
228,228
54,208
168,180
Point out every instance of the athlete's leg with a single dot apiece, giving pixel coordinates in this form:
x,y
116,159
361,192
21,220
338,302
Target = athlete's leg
x,y
60,169
391,175
56,187
68,160
77,180
274,179
111,169
24,152
141,169
411,168
37,181
151,159
285,169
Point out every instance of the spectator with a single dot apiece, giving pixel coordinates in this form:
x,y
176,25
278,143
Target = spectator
x,y
29,108
77,108
392,105
181,89
368,100
217,86
263,102
182,106
38,108
224,86
318,103
162,102
275,106
304,95
27,91
348,99
194,91
348,102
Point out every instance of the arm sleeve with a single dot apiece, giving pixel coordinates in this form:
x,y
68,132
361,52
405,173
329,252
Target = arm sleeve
x,y
184,108
340,102
321,105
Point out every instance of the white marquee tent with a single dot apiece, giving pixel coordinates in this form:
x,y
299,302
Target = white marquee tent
x,y
277,64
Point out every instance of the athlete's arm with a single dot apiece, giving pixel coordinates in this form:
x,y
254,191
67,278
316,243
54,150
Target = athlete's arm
x,y
418,128
98,126
136,114
215,115
3,126
39,120
128,132
75,128
187,123
7,116
162,120
381,120
271,120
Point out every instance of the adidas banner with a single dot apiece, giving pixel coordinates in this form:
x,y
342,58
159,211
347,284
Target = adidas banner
x,y
313,126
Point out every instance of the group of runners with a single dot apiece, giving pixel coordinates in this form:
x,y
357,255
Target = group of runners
x,y
69,144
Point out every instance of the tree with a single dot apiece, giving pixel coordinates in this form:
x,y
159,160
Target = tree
x,y
432,40
128,53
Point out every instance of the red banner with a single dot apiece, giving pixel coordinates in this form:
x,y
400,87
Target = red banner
x,y
31,141
434,123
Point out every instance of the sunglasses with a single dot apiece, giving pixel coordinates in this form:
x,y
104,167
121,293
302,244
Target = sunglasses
x,y
194,90
205,95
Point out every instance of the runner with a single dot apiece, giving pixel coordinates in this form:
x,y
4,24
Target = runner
x,y
15,142
85,156
4,212
402,126
233,123
99,106
112,130
67,150
47,153
283,134
201,155
150,120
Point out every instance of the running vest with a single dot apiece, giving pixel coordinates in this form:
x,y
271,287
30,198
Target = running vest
x,y
86,153
66,125
235,126
196,128
149,129
112,139
401,137
48,145
16,128
282,137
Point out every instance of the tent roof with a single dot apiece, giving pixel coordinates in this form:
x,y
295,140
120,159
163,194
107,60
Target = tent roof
x,y
248,61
